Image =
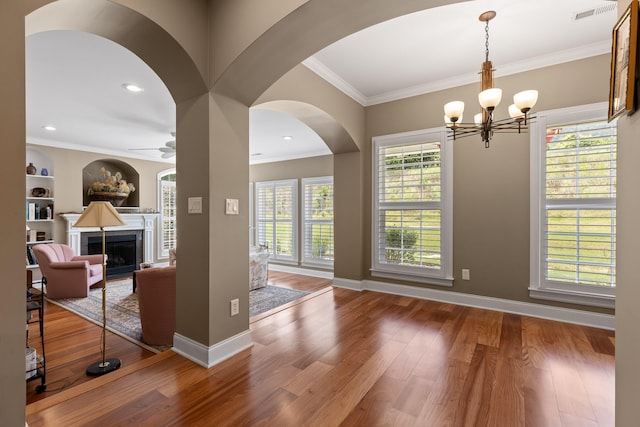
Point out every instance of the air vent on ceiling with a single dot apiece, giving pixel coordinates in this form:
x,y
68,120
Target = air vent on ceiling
x,y
594,11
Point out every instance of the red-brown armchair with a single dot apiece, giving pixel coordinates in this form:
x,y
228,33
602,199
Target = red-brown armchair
x,y
156,289
67,275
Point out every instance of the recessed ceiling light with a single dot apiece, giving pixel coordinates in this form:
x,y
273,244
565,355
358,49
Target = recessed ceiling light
x,y
49,128
287,137
132,87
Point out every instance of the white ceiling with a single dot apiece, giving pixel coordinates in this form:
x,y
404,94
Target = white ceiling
x,y
74,80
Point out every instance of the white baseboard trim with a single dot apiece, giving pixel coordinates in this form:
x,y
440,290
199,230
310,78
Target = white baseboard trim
x,y
567,315
211,356
354,285
323,274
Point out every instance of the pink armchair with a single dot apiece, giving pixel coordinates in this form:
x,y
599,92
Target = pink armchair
x,y
67,275
156,288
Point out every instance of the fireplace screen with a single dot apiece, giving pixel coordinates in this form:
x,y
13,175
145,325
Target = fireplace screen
x,y
123,249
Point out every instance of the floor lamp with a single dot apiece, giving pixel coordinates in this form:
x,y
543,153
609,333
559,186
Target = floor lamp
x,y
101,214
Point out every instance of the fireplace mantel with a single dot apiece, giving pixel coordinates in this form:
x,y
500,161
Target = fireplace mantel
x,y
143,221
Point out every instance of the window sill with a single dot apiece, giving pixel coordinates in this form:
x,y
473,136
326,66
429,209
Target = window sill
x,y
448,282
573,297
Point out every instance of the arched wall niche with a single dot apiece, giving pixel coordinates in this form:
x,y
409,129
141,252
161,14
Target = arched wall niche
x,y
96,170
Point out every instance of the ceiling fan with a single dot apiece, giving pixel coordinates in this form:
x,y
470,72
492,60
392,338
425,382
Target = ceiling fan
x,y
168,151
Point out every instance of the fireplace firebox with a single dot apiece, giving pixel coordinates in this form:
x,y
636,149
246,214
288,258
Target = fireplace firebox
x,y
123,249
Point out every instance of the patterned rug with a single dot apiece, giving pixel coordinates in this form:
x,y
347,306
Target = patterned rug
x,y
270,297
123,313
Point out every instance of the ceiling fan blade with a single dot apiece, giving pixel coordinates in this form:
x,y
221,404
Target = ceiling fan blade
x,y
168,155
167,150
171,144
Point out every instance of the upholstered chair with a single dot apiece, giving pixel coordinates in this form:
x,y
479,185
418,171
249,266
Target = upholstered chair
x,y
156,289
66,274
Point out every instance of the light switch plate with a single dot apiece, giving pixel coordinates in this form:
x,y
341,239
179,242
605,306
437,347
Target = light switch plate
x,y
194,205
235,307
231,207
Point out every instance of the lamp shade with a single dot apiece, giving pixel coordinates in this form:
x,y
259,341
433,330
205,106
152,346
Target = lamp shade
x,y
453,110
490,98
525,100
449,123
477,119
515,113
99,214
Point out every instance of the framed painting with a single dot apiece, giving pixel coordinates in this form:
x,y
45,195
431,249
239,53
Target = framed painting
x,y
622,86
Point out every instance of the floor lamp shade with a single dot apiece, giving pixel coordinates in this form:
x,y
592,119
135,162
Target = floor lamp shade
x,y
99,214
102,214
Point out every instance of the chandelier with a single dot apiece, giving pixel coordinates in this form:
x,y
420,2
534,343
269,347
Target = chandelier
x,y
489,98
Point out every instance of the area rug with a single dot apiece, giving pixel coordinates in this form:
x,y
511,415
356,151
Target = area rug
x,y
123,313
269,297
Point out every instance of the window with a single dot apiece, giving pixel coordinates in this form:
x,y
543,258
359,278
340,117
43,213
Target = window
x,y
167,208
412,212
252,231
573,230
277,208
317,221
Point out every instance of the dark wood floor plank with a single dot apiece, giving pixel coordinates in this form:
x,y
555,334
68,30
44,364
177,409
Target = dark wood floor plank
x,y
506,407
473,405
346,358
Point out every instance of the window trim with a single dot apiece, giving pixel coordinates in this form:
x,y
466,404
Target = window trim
x,y
443,276
314,262
162,253
293,183
252,227
539,288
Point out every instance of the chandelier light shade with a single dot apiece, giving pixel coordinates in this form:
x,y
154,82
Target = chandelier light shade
x,y
489,98
453,110
101,215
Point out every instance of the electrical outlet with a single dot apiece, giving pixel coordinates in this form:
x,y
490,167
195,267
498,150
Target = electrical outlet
x,y
465,274
235,307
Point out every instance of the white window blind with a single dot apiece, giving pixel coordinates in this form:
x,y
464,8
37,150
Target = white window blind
x,y
412,214
580,176
276,217
573,206
317,221
167,208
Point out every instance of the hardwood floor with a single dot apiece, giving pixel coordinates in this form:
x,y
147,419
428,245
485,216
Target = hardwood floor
x,y
341,357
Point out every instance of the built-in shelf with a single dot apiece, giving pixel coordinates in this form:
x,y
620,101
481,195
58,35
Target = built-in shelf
x,y
39,228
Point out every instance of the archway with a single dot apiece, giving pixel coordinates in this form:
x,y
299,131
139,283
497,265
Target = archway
x,y
332,132
260,50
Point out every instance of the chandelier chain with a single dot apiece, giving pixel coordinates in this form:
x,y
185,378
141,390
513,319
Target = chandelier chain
x,y
486,42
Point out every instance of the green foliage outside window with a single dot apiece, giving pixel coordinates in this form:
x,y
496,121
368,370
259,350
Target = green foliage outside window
x,y
400,246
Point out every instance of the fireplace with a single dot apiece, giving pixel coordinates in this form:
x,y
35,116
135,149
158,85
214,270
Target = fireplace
x,y
141,225
123,249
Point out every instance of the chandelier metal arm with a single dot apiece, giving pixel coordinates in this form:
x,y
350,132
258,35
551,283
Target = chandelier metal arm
x,y
489,127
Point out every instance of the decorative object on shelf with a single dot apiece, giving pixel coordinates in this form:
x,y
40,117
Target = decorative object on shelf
x,y
40,192
112,188
102,214
31,169
489,99
44,172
